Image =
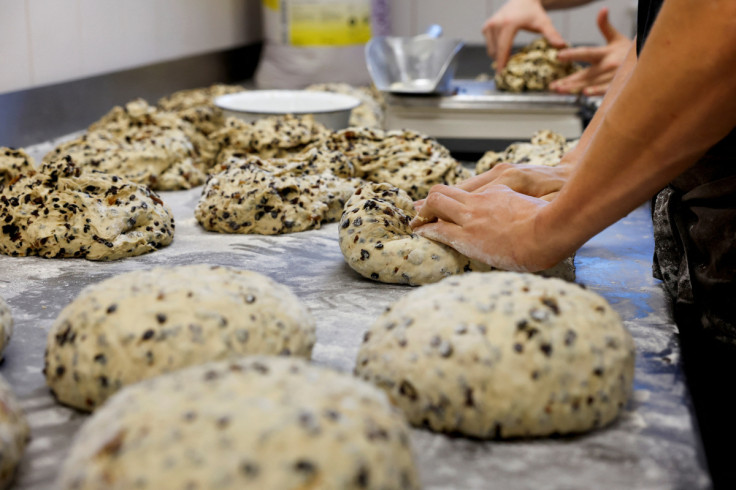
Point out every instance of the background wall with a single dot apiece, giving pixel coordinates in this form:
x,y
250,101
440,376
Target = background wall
x,y
49,41
44,42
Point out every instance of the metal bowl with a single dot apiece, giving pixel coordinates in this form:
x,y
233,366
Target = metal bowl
x,y
328,108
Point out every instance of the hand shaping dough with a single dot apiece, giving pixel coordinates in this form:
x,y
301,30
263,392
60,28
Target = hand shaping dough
x,y
197,106
14,433
377,242
144,323
257,422
406,159
369,114
533,68
546,148
271,137
500,355
6,328
60,211
274,196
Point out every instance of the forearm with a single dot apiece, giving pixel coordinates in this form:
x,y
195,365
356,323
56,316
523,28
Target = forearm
x,y
677,103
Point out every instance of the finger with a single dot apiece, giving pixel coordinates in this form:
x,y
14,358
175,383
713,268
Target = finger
x,y
609,32
504,40
571,83
596,89
440,206
418,205
550,197
441,231
490,40
585,54
547,29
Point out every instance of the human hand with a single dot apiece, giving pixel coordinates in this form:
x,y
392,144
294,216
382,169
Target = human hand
x,y
514,15
604,61
496,226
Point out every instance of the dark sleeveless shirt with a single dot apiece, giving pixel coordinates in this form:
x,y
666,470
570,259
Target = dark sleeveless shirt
x,y
695,227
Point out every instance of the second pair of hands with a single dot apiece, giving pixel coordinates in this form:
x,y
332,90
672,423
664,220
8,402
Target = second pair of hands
x,y
500,30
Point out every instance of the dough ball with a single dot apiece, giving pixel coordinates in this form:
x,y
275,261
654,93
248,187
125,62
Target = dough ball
x,y
270,137
256,422
197,106
546,148
255,196
500,355
405,159
13,164
6,326
14,433
369,114
60,211
533,68
144,323
378,243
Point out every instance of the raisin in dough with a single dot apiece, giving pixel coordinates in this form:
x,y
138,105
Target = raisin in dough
x,y
144,323
6,326
197,106
253,196
14,433
257,422
533,68
546,148
502,354
270,137
60,211
406,159
369,114
377,242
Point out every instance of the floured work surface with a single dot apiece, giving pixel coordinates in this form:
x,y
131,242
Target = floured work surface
x,y
654,444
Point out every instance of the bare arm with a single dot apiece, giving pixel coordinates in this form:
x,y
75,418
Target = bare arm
x,y
656,121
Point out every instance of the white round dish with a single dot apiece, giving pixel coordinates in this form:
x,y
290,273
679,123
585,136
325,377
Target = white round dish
x,y
331,109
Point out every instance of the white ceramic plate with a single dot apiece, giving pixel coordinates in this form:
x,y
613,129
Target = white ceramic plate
x,y
331,109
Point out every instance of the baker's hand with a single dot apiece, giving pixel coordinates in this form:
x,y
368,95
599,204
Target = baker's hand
x,y
533,180
515,15
496,226
604,61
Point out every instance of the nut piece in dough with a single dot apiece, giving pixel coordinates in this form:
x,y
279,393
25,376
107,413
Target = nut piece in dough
x,y
546,148
501,355
6,327
377,242
14,433
60,211
257,422
144,323
533,68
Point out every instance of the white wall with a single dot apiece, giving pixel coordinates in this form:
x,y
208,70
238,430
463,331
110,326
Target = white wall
x,y
464,19
50,41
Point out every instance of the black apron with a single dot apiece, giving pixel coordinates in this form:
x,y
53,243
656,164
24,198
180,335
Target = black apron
x,y
694,221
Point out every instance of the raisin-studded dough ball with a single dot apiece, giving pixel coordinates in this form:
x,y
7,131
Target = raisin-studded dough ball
x,y
14,433
502,354
533,68
378,243
257,422
144,323
6,326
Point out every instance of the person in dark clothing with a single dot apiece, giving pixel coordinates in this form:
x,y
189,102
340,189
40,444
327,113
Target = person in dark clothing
x,y
665,131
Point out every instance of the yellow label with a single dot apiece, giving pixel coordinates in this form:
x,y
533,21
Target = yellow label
x,y
272,4
329,23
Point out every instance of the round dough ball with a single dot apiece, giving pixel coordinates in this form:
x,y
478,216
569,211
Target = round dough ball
x,y
378,243
533,68
502,354
144,323
6,326
14,433
60,211
256,422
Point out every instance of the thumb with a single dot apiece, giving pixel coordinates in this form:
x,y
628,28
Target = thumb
x,y
609,32
550,33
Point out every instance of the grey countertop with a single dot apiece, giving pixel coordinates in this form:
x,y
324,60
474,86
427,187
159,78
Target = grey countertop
x,y
654,444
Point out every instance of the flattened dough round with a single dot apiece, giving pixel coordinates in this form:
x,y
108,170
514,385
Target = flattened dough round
x,y
257,422
14,433
533,68
61,211
6,326
144,323
502,354
377,242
